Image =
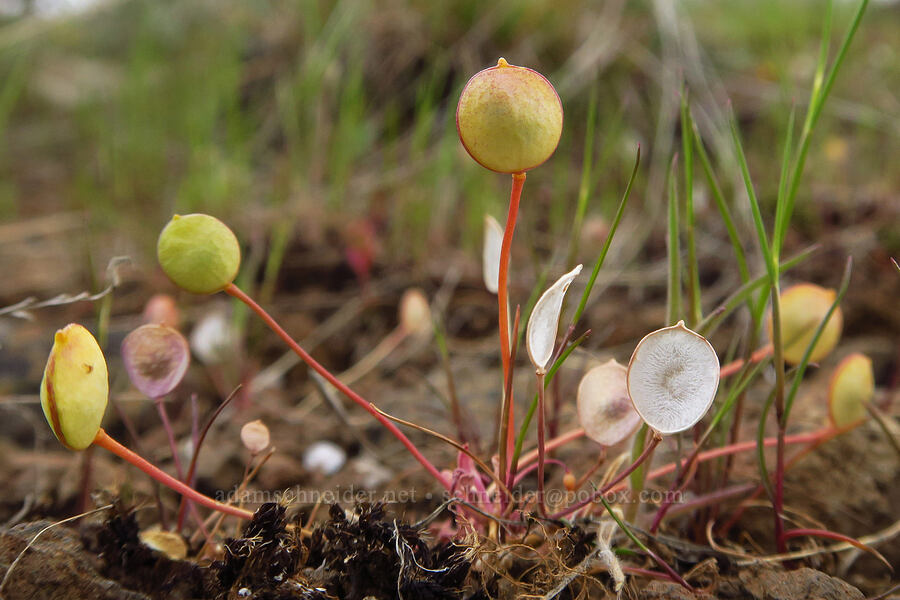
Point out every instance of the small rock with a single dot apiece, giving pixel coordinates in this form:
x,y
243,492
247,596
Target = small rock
x,y
326,457
55,567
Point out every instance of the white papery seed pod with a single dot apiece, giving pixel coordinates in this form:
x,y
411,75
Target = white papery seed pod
x,y
493,242
672,378
604,409
540,337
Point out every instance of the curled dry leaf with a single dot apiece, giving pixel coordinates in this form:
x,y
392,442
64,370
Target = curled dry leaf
x,y
672,378
540,337
156,358
415,313
493,241
852,387
604,409
255,436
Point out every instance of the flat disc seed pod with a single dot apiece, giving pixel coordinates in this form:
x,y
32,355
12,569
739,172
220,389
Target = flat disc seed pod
x,y
540,336
672,379
490,261
509,118
604,409
156,358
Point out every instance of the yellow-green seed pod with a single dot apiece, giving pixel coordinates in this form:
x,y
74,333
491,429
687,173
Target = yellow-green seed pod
x,y
803,307
852,387
75,387
199,253
509,118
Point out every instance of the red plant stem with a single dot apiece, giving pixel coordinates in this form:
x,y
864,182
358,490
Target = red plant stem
x,y
648,451
735,366
518,182
189,479
827,435
167,425
713,454
524,472
542,506
236,292
104,441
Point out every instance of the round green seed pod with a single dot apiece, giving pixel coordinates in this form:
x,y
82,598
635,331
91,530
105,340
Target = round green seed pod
x,y
75,387
509,118
199,253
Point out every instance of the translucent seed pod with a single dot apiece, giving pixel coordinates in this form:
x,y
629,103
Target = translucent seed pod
x,y
156,358
605,410
540,336
672,378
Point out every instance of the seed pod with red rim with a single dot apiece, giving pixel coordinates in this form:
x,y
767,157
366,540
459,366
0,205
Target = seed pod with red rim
x,y
509,118
75,387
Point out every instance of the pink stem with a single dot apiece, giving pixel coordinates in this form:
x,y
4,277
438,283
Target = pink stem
x,y
167,425
233,290
104,441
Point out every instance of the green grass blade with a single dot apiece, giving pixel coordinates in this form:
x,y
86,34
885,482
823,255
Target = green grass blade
x,y
673,297
744,293
612,231
780,209
719,198
820,94
804,362
585,186
754,203
695,310
761,446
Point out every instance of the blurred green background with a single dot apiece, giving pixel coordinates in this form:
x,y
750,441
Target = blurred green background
x,y
296,121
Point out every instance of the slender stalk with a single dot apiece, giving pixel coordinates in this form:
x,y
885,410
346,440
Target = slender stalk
x,y
673,300
236,292
778,352
167,425
541,451
694,313
598,495
192,468
505,417
518,182
735,366
827,435
663,564
104,441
